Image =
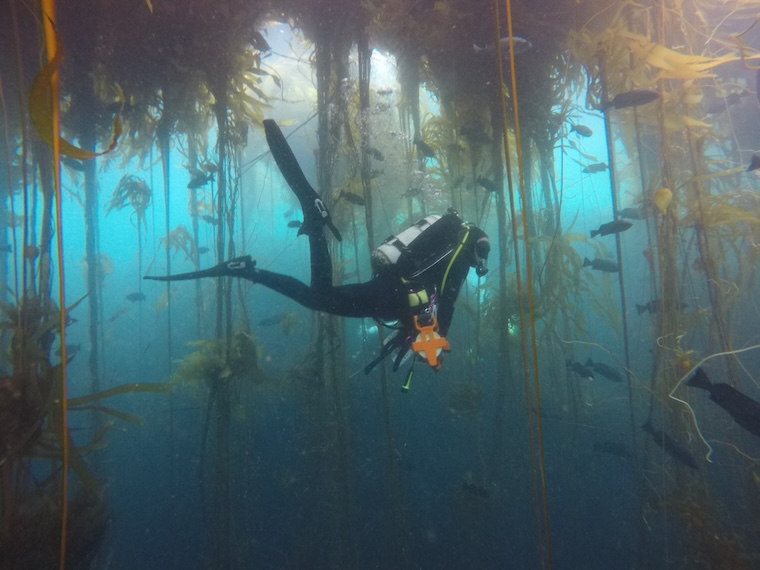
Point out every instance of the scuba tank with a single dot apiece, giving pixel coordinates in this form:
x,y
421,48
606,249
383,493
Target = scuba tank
x,y
419,246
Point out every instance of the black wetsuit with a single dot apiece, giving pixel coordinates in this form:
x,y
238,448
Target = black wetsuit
x,y
384,296
438,264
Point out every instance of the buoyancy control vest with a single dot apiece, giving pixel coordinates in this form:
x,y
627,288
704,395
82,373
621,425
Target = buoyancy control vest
x,y
418,247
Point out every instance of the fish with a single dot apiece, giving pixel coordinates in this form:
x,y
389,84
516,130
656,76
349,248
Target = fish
x,y
521,45
744,410
71,350
580,369
210,220
294,223
596,167
651,307
654,305
581,130
288,212
424,148
354,199
73,163
411,192
605,370
6,248
475,135
375,153
475,490
487,183
615,227
612,448
117,314
273,320
637,213
135,297
754,162
199,179
606,265
375,173
203,249
384,92
662,199
31,252
720,105
632,99
671,446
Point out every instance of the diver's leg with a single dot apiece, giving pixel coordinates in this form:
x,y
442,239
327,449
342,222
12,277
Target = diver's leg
x,y
315,214
321,264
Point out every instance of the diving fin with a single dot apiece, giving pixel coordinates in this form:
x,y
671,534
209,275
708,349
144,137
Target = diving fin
x,y
314,211
243,266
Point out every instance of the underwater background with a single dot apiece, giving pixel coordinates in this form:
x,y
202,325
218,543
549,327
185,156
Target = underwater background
x,y
598,408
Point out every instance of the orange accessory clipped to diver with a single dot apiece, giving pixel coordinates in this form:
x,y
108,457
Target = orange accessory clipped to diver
x,y
429,343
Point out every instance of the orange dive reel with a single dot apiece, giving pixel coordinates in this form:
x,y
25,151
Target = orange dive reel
x,y
429,344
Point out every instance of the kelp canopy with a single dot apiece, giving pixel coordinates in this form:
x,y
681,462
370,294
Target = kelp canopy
x,y
593,112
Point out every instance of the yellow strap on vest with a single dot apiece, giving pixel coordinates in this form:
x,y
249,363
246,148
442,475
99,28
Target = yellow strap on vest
x,y
453,257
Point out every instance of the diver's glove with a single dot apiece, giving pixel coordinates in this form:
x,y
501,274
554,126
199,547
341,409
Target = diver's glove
x,y
243,266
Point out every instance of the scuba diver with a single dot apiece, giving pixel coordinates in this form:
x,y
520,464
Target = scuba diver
x,y
416,274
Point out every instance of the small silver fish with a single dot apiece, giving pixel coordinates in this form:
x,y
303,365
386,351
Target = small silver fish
x,y
521,45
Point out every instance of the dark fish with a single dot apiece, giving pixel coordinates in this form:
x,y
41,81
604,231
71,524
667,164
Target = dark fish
x,y
411,192
651,307
73,163
580,369
288,212
203,249
31,252
720,105
380,108
384,92
294,224
457,182
521,45
135,297
375,173
596,167
639,213
425,149
754,162
354,199
475,490
612,448
475,135
582,130
486,183
671,446
273,320
117,314
375,153
605,370
199,179
632,99
611,228
210,220
6,248
606,265
654,305
71,350
744,410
